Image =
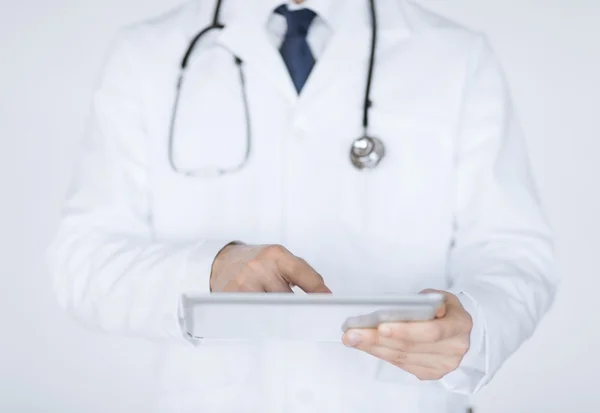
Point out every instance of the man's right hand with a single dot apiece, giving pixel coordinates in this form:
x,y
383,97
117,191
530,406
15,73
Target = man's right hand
x,y
262,268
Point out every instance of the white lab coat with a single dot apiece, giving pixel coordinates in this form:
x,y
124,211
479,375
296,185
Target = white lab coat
x,y
452,206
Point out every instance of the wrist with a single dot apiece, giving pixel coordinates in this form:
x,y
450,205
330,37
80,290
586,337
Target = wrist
x,y
219,258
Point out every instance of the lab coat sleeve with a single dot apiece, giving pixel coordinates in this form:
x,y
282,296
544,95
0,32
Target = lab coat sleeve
x,y
502,263
110,270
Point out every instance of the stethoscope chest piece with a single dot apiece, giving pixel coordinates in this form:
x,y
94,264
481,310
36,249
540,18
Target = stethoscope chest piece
x,y
366,152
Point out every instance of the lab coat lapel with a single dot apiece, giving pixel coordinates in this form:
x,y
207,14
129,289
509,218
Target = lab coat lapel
x,y
246,38
345,51
350,45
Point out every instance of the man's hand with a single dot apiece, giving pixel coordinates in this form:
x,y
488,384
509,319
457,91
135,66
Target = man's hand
x,y
429,349
262,268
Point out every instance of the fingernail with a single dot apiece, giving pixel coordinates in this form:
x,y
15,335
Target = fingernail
x,y
385,331
353,338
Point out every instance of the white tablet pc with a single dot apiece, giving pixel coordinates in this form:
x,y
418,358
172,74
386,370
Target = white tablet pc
x,y
310,317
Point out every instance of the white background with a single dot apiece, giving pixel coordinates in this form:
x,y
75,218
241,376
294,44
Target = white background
x,y
51,54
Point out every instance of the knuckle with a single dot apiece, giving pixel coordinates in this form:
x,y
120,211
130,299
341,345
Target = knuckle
x,y
243,288
239,284
423,375
451,364
240,279
461,347
399,358
467,324
437,375
398,364
403,332
254,266
371,339
404,345
275,251
467,317
432,333
301,261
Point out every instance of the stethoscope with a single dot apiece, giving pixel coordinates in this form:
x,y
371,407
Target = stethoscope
x,y
366,152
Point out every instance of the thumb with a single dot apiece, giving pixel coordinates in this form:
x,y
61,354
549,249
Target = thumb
x,y
442,309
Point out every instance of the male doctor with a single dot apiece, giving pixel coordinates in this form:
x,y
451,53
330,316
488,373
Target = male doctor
x,y
451,206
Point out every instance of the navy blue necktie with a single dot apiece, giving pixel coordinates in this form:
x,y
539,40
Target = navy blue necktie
x,y
295,49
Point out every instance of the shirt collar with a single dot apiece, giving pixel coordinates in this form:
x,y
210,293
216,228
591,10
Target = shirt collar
x,y
323,8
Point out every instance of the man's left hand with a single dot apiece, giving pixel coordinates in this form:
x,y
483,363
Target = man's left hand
x,y
429,349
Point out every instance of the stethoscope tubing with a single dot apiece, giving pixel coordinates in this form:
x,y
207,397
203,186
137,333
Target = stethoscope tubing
x,y
216,25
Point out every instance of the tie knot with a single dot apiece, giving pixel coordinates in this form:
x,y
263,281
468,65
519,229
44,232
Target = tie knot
x,y
298,21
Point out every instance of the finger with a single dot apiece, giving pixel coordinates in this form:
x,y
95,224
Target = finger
x,y
383,353
423,373
422,331
362,336
273,283
297,271
400,358
390,354
455,346
372,337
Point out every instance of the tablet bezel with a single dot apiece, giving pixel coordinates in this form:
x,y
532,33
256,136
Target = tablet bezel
x,y
426,299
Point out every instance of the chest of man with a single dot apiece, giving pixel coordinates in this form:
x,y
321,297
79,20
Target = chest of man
x,y
298,187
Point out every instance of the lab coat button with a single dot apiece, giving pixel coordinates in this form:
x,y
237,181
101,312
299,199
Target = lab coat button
x,y
299,125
